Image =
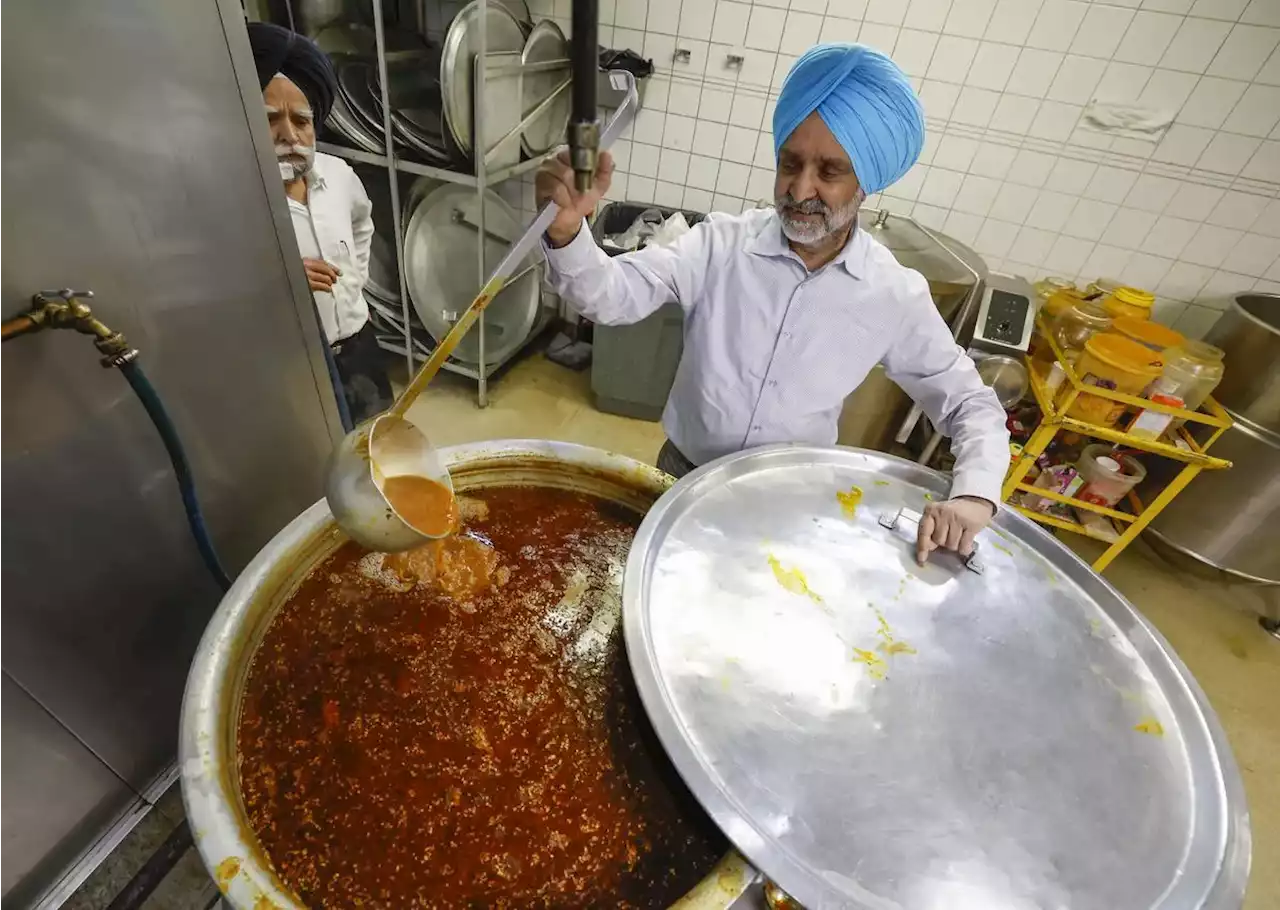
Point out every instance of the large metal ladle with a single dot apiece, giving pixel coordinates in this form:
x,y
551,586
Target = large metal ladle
x,y
391,444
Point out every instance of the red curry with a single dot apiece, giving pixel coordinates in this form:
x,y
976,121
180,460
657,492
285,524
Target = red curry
x,y
400,746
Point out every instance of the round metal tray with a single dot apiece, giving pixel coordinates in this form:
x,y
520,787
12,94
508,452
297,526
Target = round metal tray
x,y
546,42
461,45
440,271
874,734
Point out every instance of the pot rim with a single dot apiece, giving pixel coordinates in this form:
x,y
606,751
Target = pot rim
x,y
206,754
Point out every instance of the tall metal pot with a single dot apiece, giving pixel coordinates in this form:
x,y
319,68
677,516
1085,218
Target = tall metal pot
x,y
1249,335
1227,519
207,749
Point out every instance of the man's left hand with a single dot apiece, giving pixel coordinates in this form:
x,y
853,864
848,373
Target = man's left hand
x,y
952,525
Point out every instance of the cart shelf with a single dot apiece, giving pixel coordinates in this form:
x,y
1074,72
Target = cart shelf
x,y
1126,525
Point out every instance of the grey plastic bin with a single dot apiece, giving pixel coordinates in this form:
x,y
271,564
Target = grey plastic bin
x,y
633,366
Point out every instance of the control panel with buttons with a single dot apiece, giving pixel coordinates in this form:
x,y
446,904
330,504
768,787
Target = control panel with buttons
x,y
1006,316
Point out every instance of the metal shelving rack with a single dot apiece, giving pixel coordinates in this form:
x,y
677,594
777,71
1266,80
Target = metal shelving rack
x,y
1054,420
480,180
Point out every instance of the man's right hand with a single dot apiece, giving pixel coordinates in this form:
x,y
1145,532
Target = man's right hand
x,y
555,182
320,274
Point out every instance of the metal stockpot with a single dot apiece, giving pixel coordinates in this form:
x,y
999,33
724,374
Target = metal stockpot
x,y
1249,335
878,410
1227,519
207,748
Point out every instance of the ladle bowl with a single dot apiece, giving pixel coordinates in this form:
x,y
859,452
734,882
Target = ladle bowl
x,y
388,446
392,444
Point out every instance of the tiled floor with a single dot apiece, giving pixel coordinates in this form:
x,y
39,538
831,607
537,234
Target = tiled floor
x,y
187,885
1212,624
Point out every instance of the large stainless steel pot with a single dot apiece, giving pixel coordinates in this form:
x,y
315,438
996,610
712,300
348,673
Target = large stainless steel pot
x,y
210,706
1249,335
878,410
1227,519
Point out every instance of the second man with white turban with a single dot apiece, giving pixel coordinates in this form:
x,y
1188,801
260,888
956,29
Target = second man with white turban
x,y
788,309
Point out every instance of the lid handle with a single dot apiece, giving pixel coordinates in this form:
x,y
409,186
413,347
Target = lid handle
x,y
890,520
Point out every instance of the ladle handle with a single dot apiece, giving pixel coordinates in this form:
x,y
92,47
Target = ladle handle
x,y
523,246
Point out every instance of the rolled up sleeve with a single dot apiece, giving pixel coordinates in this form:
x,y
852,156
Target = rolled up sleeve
x,y
937,373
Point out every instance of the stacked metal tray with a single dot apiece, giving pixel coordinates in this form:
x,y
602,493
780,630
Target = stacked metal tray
x,y
430,83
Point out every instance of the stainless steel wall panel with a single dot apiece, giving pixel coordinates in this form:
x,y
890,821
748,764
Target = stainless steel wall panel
x,y
133,165
56,794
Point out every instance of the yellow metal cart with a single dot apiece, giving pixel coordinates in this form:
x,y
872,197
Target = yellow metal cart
x,y
1054,420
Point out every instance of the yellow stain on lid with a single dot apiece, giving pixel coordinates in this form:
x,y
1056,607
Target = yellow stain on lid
x,y
792,579
875,663
1149,725
890,644
849,501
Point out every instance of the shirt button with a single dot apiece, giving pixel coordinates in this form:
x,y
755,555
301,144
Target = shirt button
x,y
756,428
773,383
786,334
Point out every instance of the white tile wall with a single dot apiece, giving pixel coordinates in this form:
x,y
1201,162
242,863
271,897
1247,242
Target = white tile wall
x,y
1008,168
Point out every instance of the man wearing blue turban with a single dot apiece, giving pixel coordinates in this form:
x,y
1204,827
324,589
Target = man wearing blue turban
x,y
787,309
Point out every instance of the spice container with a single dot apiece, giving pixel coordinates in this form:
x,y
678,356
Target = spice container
x,y
1129,302
1149,334
1108,476
1046,287
1062,300
1193,370
1071,330
1113,362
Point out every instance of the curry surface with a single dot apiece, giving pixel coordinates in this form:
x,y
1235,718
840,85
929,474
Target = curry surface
x,y
402,747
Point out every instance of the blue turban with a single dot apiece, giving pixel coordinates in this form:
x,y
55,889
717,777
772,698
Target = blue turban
x,y
866,102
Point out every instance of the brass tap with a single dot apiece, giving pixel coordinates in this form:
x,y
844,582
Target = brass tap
x,y
66,309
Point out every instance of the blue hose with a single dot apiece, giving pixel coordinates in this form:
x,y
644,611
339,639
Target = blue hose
x,y
181,468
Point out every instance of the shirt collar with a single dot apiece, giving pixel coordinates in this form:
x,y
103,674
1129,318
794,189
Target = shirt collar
x,y
315,177
770,241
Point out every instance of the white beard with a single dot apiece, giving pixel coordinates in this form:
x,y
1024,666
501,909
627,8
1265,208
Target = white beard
x,y
292,169
808,233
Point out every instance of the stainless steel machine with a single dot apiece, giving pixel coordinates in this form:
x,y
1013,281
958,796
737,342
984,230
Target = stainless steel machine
x,y
133,166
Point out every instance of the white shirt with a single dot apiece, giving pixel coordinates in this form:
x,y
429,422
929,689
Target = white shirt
x,y
771,350
336,225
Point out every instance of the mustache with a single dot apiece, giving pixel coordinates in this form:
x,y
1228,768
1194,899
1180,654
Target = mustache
x,y
807,207
285,151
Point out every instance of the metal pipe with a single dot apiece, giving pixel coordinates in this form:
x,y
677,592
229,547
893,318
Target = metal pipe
x,y
18,325
584,127
388,135
479,120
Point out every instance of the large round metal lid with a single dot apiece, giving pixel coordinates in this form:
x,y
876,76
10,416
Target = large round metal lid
x,y
931,253
440,271
875,734
546,43
461,44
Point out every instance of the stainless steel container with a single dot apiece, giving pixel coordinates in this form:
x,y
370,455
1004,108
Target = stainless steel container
x,y
875,412
1227,520
1249,335
207,749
